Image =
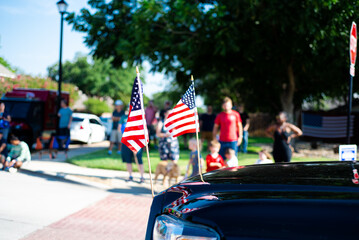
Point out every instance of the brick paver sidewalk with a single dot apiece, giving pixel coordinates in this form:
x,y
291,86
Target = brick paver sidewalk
x,y
118,216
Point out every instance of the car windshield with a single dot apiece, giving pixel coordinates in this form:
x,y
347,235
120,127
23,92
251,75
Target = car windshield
x,y
17,109
77,119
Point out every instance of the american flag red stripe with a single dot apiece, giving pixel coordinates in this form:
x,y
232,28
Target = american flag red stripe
x,y
181,120
135,134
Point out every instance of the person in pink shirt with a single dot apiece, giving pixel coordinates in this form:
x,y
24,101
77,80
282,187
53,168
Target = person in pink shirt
x,y
150,114
229,125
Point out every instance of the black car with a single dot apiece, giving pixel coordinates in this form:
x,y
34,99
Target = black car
x,y
317,200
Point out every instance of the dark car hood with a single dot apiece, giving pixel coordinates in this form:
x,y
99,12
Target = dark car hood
x,y
311,173
284,194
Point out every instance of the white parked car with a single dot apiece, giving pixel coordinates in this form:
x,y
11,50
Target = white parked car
x,y
87,128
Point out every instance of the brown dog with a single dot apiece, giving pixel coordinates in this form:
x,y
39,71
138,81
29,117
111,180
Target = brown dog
x,y
170,169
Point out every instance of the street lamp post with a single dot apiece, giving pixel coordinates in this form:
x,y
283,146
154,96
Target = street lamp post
x,y
62,7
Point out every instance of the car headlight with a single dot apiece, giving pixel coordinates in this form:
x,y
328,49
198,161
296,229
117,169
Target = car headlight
x,y
170,228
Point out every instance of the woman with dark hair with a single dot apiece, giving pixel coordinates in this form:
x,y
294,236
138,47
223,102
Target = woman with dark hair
x,y
168,146
282,132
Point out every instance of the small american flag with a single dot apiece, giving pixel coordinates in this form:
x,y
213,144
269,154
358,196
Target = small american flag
x,y
135,135
182,119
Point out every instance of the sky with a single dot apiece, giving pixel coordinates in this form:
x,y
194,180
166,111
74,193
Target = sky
x,y
30,38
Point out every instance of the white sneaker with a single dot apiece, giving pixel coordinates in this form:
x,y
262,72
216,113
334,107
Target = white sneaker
x,y
12,170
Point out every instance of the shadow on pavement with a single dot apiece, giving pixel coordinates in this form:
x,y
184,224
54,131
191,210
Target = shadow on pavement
x,y
132,190
61,177
47,177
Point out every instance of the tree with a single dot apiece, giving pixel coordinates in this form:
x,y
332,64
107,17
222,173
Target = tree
x,y
96,106
270,54
97,78
6,64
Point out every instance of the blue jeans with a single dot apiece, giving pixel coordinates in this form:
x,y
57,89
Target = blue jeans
x,y
225,145
244,144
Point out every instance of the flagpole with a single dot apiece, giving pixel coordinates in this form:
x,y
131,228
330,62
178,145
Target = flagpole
x,y
196,117
145,129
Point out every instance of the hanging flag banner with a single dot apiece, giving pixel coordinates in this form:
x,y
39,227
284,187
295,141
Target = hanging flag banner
x,y
353,48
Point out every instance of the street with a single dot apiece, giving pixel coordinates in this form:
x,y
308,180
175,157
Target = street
x,y
37,206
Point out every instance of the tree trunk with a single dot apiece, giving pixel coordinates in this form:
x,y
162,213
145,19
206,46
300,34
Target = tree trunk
x,y
287,95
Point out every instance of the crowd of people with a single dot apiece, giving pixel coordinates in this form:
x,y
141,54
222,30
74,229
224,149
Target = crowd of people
x,y
225,134
13,152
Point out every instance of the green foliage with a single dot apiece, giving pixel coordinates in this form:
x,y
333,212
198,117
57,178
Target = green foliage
x,y
160,98
23,81
270,54
97,78
96,106
6,64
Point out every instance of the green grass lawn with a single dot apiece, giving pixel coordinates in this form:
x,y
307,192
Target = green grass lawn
x,y
101,159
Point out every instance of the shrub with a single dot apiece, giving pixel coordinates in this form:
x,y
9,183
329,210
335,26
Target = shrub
x,y
96,106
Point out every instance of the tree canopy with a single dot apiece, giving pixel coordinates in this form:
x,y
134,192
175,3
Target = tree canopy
x,y
270,54
97,78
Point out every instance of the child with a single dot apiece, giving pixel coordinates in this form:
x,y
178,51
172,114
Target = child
x,y
264,157
231,156
214,160
192,145
18,155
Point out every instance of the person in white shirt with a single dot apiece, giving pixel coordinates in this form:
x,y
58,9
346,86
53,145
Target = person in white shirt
x,y
231,156
264,157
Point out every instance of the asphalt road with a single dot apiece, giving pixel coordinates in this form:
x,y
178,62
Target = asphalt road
x,y
30,202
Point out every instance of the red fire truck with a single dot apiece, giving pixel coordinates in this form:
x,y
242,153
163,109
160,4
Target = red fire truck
x,y
33,112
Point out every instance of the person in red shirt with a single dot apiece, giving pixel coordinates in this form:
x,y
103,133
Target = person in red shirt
x,y
214,160
229,124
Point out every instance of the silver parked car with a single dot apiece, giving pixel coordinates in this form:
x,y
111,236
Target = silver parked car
x,y
87,128
107,121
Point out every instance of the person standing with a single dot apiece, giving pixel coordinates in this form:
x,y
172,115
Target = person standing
x,y
127,155
282,132
150,114
116,134
167,145
63,136
229,124
246,123
5,120
206,123
166,106
65,115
